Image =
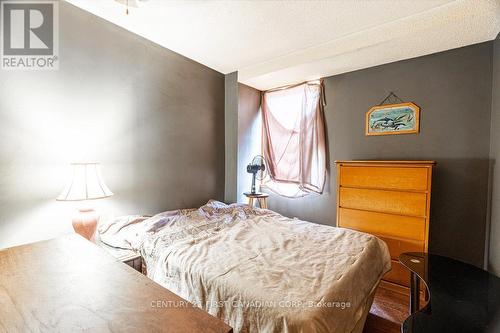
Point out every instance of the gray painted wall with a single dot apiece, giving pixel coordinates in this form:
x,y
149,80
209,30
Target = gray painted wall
x,y
231,136
494,241
453,89
249,135
243,126
154,119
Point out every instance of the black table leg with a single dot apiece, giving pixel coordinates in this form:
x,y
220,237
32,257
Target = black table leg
x,y
414,292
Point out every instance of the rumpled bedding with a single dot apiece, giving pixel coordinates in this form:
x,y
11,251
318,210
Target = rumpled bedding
x,y
256,269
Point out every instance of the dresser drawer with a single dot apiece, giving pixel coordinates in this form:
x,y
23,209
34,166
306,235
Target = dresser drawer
x,y
388,199
394,202
401,178
398,274
383,224
398,246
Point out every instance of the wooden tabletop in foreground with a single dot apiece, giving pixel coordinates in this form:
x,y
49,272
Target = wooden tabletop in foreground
x,y
70,285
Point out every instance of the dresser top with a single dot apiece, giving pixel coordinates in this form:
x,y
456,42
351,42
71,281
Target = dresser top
x,y
385,162
69,285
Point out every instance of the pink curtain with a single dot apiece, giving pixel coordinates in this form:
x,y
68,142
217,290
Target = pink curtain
x,y
294,139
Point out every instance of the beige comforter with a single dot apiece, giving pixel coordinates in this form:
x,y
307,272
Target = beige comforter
x,y
257,270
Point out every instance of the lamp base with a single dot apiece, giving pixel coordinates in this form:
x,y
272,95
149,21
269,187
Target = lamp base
x,y
85,223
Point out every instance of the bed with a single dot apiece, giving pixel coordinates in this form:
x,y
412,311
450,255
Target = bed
x,y
256,269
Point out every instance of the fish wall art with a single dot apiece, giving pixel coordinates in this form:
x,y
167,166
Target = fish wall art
x,y
402,118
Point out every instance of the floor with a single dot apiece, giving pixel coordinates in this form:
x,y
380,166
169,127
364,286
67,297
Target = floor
x,y
389,310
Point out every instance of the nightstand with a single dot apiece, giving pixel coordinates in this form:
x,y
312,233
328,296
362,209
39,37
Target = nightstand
x,y
129,257
261,198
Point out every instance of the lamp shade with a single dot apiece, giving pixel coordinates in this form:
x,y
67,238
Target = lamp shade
x,y
86,183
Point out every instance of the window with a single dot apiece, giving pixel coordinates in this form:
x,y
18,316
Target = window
x,y
294,139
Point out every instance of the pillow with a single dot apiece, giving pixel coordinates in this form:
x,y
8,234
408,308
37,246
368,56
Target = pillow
x,y
120,231
216,204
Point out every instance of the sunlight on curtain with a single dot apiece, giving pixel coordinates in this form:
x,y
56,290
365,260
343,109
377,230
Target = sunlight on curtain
x,y
294,139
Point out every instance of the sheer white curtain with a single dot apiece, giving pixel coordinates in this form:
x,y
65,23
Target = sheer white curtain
x,y
294,139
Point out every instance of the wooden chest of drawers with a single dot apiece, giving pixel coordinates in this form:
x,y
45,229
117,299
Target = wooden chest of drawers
x,y
389,199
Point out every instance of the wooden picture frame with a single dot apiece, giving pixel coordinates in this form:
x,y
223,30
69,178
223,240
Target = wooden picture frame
x,y
390,119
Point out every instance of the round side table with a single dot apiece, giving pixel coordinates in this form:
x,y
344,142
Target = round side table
x,y
261,198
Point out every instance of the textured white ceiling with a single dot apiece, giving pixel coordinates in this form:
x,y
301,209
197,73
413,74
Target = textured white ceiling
x,y
273,43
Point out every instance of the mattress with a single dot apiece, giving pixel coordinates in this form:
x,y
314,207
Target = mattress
x,y
256,269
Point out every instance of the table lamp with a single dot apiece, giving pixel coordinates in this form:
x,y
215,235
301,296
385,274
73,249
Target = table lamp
x,y
85,184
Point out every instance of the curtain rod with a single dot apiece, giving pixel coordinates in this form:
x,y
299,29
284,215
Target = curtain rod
x,y
320,82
